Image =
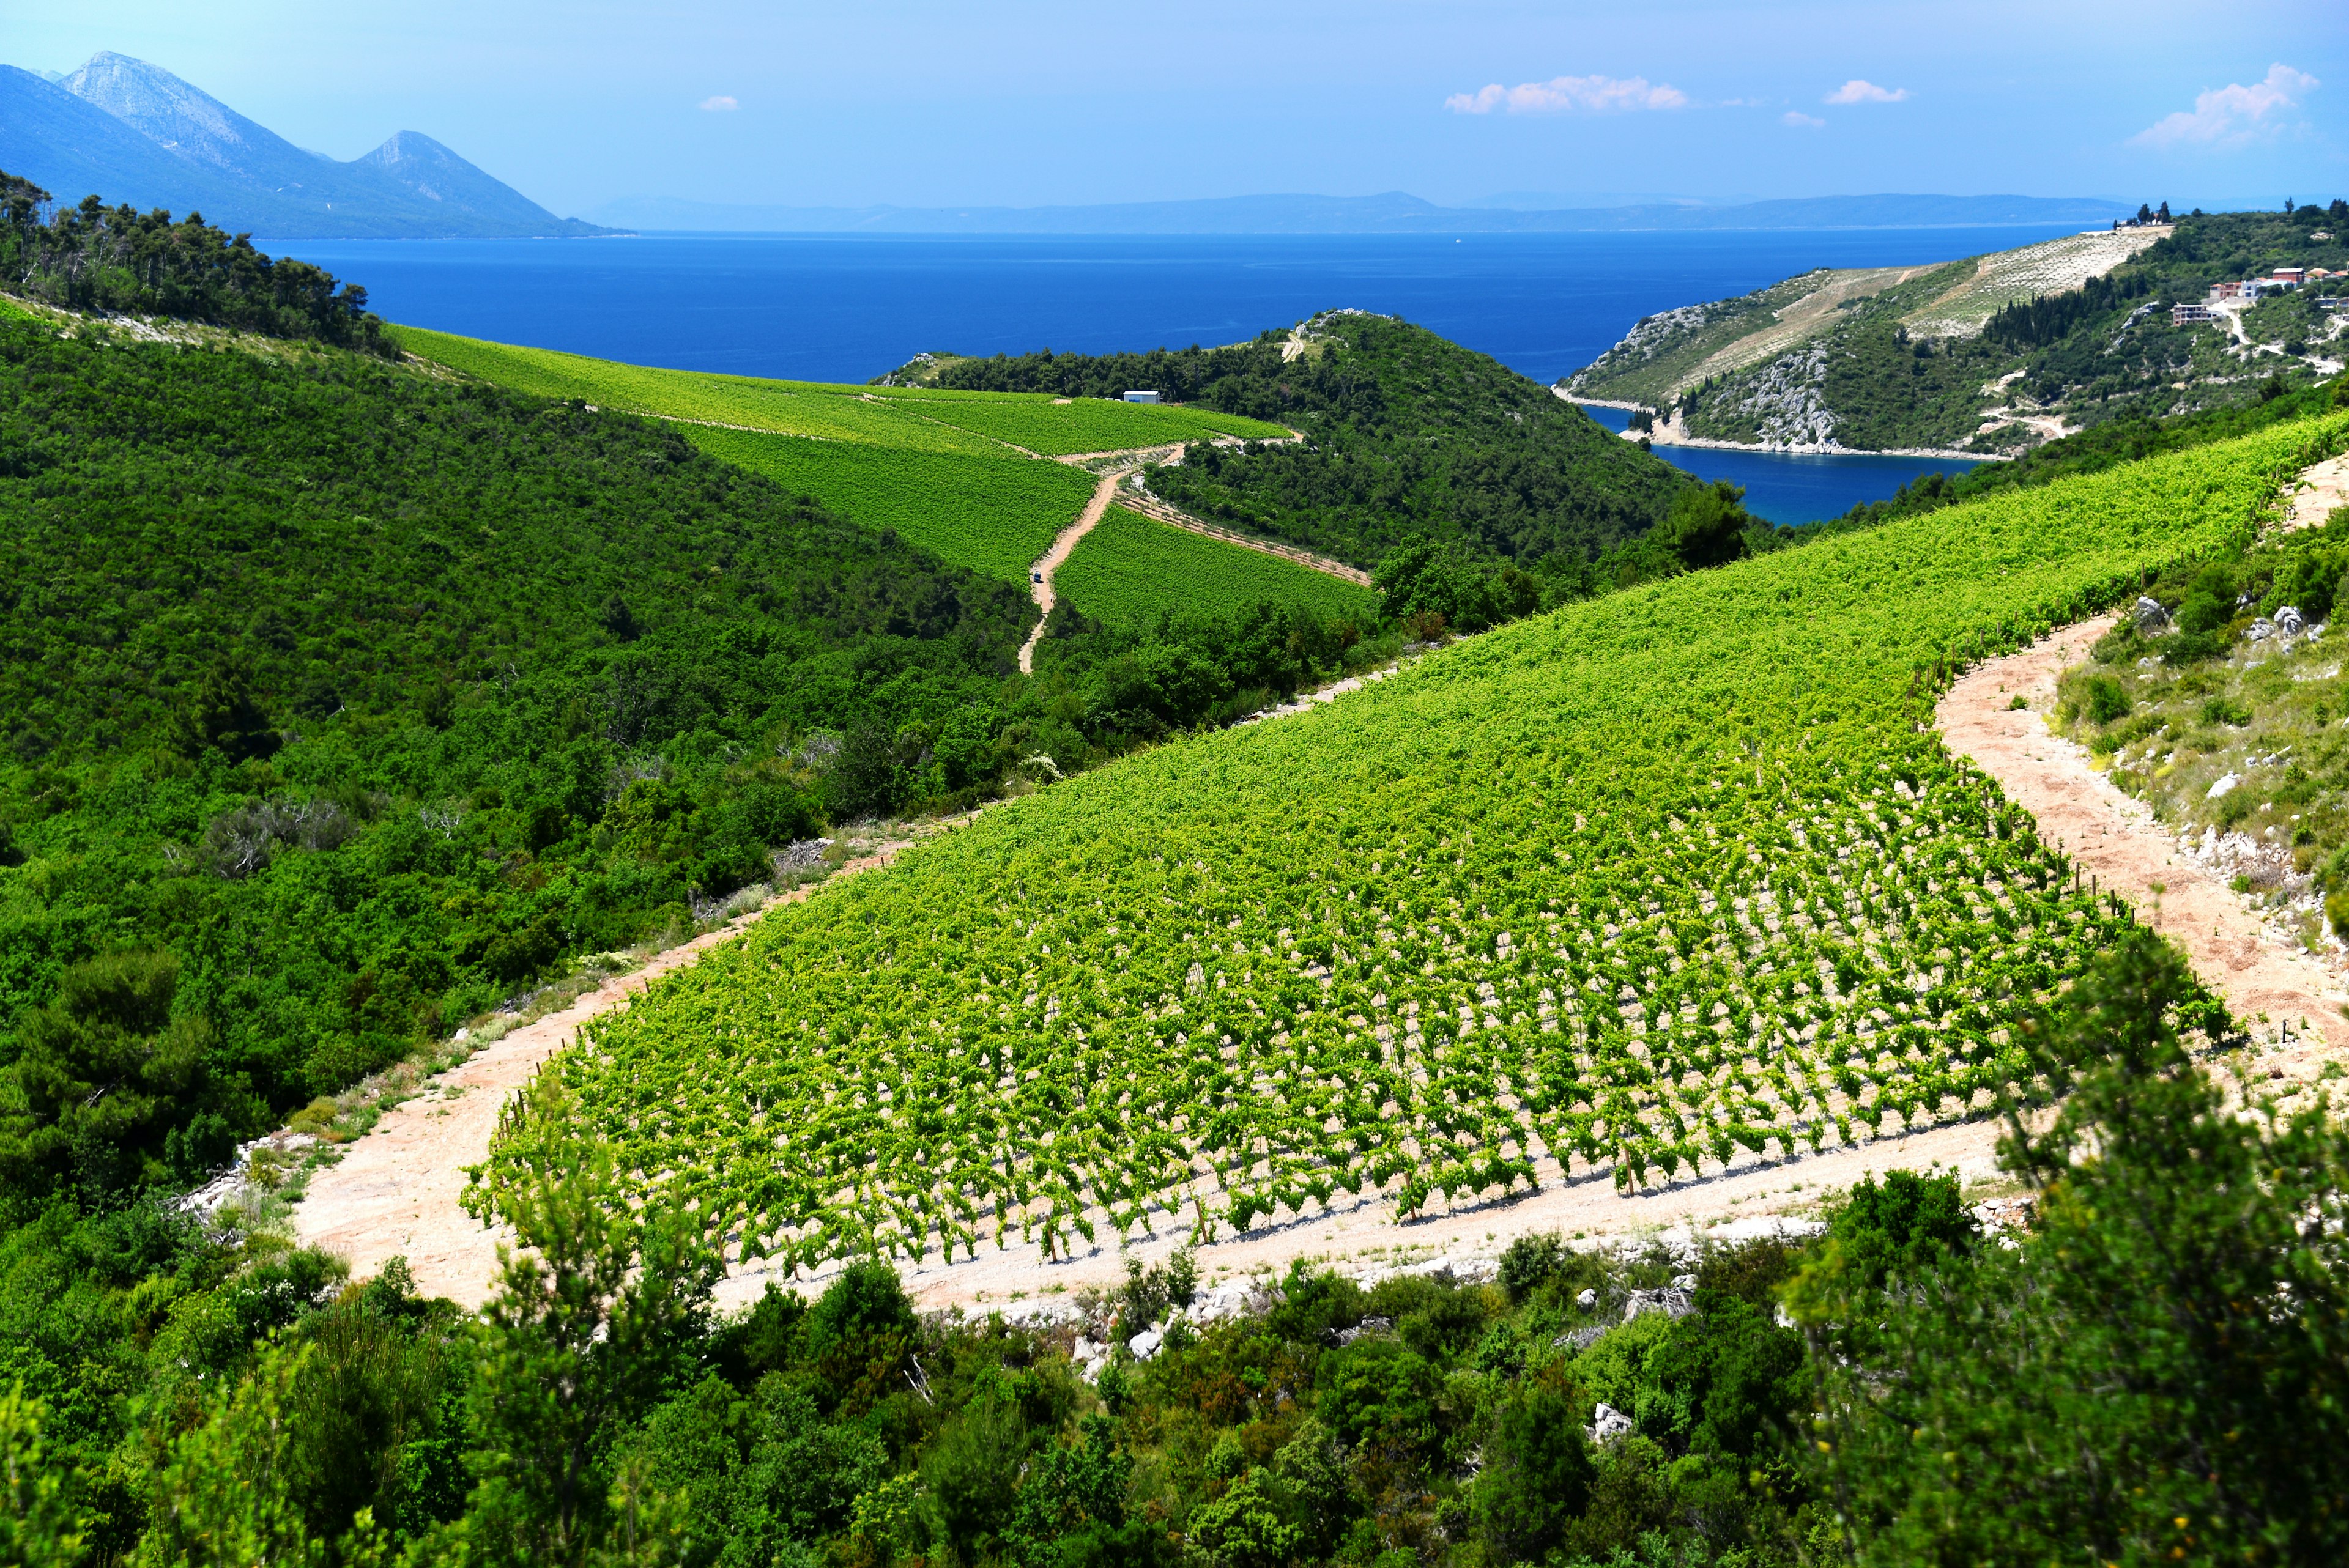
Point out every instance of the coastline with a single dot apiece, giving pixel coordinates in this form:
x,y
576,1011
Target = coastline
x,y
1670,434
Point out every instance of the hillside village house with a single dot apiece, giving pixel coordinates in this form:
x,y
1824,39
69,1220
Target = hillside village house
x,y
2189,314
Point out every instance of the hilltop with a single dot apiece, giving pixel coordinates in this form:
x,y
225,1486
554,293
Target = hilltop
x,y
1409,437
1995,353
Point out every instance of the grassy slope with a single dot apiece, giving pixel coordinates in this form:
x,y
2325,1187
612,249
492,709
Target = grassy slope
x,y
1131,567
399,601
1692,794
985,513
938,466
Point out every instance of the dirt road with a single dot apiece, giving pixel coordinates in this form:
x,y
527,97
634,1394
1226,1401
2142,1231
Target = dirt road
x,y
395,1193
2116,840
1039,576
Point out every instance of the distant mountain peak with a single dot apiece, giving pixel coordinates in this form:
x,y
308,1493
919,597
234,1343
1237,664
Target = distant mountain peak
x,y
181,116
130,132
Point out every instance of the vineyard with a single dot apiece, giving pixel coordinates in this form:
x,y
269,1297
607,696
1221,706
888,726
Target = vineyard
x,y
939,468
918,418
1129,567
985,513
1663,882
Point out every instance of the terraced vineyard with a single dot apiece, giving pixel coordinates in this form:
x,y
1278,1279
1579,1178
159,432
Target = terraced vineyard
x,y
1129,567
1665,881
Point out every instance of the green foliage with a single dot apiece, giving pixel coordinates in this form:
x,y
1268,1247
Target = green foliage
x,y
118,259
361,701
2126,438
1707,525
588,1326
1538,1474
2128,1382
1644,761
37,1522
994,516
1131,569
1408,437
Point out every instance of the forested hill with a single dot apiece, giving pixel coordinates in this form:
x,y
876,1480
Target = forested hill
x,y
1407,436
340,702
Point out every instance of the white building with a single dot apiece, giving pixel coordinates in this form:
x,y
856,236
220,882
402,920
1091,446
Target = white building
x,y
1141,397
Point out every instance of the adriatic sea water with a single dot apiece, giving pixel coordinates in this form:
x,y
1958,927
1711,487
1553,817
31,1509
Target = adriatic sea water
x,y
834,307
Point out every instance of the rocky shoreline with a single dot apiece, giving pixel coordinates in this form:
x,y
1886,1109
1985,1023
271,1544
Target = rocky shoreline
x,y
1671,432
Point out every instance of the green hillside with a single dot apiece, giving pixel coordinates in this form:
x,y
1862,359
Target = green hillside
x,y
347,702
1653,879
1993,353
981,512
953,472
1129,568
1408,436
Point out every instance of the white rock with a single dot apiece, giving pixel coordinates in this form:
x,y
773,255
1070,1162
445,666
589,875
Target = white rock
x,y
1145,1343
1684,1282
1084,1350
2288,621
1673,1302
1586,1300
2226,781
1610,1424
1093,1368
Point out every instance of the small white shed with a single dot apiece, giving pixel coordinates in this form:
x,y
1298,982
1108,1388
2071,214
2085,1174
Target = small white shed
x,y
1141,397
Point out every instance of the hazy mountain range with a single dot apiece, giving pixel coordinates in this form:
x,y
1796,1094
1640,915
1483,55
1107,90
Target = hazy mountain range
x,y
1395,212
129,131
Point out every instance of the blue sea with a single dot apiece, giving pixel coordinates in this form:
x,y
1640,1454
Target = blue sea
x,y
831,307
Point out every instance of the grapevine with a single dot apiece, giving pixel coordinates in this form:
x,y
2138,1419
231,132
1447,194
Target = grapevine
x,y
1664,882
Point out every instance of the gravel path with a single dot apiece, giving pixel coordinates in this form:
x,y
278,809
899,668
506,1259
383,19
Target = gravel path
x,y
2118,840
395,1190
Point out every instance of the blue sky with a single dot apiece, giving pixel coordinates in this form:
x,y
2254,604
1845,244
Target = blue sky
x,y
1025,101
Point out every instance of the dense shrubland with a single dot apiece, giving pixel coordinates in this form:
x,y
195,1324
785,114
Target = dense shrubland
x,y
1408,437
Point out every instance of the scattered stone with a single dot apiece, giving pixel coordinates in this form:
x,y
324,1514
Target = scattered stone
x,y
1609,1425
2151,619
1673,1301
1144,1344
2288,621
1582,1338
2226,781
1588,1299
1684,1282
800,855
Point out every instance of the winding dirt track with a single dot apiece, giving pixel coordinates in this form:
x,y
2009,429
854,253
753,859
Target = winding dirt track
x,y
2116,840
1040,577
395,1190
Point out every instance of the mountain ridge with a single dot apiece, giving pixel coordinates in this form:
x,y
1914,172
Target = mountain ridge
x,y
142,134
1391,212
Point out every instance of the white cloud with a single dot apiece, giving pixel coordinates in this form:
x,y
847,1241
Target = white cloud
x,y
2230,116
1858,91
1795,116
1592,95
721,104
